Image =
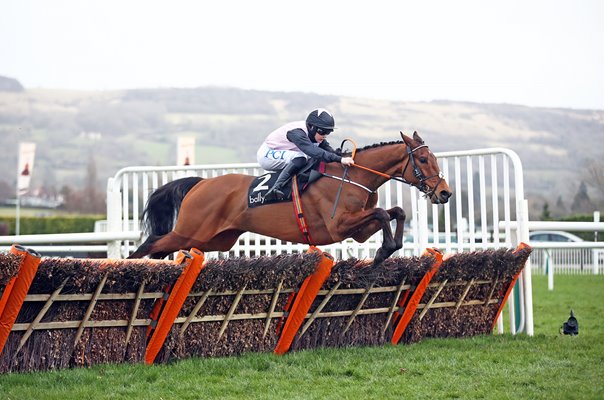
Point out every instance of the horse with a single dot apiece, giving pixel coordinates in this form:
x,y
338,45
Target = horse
x,y
212,213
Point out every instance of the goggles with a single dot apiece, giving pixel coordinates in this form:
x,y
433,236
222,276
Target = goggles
x,y
323,131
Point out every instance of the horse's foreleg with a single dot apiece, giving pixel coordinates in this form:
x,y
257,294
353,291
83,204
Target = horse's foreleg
x,y
388,244
399,215
371,221
391,243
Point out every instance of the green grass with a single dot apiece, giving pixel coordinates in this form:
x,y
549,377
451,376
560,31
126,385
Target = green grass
x,y
546,366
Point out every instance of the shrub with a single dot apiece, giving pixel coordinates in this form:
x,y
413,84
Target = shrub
x,y
45,225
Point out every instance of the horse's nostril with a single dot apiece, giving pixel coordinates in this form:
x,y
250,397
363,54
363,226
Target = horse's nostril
x,y
445,195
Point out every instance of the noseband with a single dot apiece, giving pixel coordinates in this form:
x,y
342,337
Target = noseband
x,y
421,185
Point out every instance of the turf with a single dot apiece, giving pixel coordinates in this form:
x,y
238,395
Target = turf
x,y
545,366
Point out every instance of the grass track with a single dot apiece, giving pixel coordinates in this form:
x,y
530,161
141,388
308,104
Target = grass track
x,y
546,366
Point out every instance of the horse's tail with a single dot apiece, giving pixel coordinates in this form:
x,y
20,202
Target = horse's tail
x,y
163,205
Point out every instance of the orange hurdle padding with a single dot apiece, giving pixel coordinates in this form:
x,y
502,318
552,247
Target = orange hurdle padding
x,y
177,298
401,303
159,303
157,307
306,295
417,295
6,293
286,309
16,296
521,246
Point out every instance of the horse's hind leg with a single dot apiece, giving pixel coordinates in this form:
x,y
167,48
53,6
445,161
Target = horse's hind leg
x,y
144,249
161,246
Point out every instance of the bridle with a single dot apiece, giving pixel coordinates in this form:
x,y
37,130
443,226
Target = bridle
x,y
421,185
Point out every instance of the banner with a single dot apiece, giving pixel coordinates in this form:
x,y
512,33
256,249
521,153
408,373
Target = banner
x,y
27,152
186,151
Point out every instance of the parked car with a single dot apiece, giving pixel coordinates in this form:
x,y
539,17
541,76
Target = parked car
x,y
578,256
442,238
553,236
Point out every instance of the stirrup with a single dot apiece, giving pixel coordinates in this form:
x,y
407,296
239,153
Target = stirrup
x,y
274,194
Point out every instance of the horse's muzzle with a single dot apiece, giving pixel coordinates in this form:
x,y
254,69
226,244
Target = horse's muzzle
x,y
441,197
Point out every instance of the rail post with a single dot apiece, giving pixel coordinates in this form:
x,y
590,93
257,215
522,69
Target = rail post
x,y
113,218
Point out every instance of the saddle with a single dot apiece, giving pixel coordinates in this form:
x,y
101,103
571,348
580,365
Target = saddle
x,y
312,171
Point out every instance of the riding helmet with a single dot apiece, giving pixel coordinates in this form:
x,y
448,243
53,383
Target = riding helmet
x,y
321,118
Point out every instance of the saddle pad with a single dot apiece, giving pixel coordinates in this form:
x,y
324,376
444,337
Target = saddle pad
x,y
261,184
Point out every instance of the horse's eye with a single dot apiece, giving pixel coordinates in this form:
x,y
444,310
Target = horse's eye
x,y
423,160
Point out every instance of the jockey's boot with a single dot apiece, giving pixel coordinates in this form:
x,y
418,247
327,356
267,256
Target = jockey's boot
x,y
276,193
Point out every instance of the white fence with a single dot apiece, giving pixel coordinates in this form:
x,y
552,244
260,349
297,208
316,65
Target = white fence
x,y
492,176
567,257
582,259
488,192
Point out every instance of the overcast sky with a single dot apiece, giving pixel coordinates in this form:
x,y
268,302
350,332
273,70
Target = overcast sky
x,y
539,53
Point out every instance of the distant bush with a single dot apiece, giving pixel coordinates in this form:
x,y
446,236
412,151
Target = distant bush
x,y
589,236
36,225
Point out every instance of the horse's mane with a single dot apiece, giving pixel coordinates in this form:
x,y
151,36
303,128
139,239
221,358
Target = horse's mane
x,y
373,146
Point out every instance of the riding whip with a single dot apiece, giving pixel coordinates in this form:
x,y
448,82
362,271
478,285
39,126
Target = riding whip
x,y
354,150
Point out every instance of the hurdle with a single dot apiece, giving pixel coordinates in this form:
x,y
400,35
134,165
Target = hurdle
x,y
82,312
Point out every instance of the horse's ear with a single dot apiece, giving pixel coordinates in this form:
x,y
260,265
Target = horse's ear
x,y
417,138
406,138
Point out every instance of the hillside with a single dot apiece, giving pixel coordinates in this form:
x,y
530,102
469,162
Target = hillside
x,y
140,127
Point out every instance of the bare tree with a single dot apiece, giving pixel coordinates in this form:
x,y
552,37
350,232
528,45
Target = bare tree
x,y
581,202
594,170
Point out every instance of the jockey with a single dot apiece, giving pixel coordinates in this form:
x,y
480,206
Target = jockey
x,y
291,145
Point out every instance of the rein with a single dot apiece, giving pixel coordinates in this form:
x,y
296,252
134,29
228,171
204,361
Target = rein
x,y
347,180
373,171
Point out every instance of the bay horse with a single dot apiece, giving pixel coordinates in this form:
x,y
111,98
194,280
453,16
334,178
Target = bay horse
x,y
212,213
